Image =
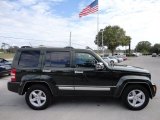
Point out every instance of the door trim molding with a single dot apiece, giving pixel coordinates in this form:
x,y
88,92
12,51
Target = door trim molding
x,y
87,88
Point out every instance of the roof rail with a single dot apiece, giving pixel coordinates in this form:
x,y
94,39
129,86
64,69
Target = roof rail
x,y
26,47
69,47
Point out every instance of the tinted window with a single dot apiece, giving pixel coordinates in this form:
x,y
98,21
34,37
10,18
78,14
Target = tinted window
x,y
85,60
57,59
29,59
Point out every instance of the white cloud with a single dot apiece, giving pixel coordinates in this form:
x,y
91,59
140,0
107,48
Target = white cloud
x,y
31,19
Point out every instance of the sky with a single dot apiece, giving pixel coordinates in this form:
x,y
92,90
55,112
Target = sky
x,y
49,22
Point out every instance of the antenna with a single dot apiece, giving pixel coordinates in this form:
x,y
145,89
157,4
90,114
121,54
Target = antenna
x,y
30,44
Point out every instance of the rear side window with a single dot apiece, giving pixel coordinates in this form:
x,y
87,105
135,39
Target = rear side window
x,y
29,59
57,59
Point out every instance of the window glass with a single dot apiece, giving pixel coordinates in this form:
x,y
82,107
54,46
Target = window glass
x,y
57,59
85,60
29,59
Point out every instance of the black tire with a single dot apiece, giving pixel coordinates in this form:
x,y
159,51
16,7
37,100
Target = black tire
x,y
127,94
45,94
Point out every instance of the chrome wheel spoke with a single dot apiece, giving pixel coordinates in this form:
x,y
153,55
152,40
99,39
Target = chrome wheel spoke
x,y
133,92
42,98
40,93
140,100
33,99
34,93
139,94
130,97
39,102
134,102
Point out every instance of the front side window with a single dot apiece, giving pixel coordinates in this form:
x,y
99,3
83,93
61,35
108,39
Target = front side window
x,y
57,59
85,60
29,59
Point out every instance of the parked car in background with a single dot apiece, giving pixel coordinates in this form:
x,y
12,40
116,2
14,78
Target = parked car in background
x,y
123,57
110,60
154,54
5,66
119,58
114,57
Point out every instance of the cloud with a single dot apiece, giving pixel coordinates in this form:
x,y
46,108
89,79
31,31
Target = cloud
x,y
35,22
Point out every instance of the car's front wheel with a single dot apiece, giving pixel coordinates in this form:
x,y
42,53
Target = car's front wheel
x,y
38,97
111,62
135,97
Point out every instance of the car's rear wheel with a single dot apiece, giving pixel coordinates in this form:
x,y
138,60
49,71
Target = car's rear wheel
x,y
38,97
135,97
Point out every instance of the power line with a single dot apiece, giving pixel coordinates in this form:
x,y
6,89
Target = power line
x,y
38,40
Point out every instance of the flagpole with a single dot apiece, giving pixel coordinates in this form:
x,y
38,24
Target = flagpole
x,y
98,28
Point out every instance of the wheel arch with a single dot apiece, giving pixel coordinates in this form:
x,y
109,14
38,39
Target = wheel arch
x,y
144,84
28,84
126,81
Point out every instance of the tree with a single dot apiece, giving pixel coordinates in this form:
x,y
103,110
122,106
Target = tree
x,y
155,48
143,47
113,36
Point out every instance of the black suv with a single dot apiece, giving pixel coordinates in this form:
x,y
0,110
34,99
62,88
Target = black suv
x,y
43,73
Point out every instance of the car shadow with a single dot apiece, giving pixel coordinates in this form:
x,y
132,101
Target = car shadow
x,y
87,100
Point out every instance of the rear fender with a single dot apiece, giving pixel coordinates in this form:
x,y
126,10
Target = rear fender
x,y
29,80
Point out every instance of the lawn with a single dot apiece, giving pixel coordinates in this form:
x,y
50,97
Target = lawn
x,y
7,55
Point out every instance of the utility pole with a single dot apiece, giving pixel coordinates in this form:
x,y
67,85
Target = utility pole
x,y
129,48
102,43
70,40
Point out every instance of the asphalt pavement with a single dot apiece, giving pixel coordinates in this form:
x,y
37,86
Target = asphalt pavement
x,y
13,106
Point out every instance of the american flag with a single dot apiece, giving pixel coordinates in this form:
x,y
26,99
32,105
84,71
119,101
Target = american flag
x,y
92,8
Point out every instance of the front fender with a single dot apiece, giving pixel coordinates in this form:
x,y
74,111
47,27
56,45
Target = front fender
x,y
125,80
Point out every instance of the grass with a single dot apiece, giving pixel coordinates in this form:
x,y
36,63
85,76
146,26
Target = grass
x,y
7,55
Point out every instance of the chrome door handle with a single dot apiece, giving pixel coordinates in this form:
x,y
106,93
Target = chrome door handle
x,y
78,72
46,70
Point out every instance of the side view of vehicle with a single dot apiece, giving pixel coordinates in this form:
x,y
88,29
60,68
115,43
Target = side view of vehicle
x,y
43,73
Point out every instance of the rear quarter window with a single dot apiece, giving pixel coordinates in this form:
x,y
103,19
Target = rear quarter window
x,y
29,59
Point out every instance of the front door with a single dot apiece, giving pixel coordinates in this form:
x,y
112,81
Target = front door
x,y
88,80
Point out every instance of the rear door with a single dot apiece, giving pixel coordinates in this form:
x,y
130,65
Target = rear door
x,y
57,65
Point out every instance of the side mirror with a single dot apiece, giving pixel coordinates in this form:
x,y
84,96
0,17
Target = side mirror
x,y
99,66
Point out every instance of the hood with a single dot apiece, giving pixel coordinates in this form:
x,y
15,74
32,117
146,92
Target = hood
x,y
129,68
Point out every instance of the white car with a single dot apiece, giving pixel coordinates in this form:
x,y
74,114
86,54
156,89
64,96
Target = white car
x,y
119,58
110,60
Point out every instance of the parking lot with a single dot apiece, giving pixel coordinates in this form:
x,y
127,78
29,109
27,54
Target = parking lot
x,y
13,106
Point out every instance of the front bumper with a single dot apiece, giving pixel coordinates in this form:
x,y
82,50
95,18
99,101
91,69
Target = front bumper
x,y
154,90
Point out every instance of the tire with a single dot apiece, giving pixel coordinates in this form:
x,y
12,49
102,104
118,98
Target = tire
x,y
135,97
112,62
38,97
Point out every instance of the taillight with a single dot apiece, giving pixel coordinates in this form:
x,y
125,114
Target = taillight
x,y
13,75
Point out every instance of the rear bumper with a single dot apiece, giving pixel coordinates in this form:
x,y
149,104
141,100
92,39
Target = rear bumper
x,y
13,86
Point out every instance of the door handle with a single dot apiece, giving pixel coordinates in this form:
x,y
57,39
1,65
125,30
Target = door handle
x,y
78,72
46,70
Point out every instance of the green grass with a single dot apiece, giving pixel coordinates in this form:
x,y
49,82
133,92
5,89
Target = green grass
x,y
7,55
